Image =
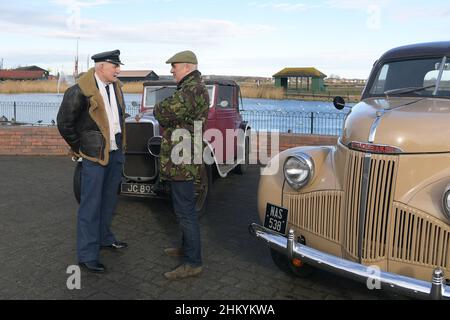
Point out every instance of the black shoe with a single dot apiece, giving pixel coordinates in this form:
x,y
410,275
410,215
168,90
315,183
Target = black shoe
x,y
117,245
93,266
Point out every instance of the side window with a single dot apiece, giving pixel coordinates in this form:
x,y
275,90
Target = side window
x,y
445,82
211,95
226,97
380,84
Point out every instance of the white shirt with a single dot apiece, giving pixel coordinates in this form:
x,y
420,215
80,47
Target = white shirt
x,y
112,111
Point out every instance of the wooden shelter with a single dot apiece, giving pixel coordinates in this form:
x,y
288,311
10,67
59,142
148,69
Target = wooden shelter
x,y
300,79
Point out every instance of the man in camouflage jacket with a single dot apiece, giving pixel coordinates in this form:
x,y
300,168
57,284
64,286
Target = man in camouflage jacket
x,y
178,115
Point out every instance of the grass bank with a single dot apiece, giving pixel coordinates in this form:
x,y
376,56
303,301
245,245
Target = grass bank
x,y
262,92
12,87
268,91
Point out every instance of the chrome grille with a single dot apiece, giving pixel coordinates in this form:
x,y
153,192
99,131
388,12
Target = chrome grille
x,y
139,164
381,183
317,212
418,238
353,184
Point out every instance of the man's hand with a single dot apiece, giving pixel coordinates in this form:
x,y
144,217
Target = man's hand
x,y
75,155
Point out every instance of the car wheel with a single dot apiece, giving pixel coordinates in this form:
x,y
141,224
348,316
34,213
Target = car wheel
x,y
77,182
285,265
202,189
243,167
281,261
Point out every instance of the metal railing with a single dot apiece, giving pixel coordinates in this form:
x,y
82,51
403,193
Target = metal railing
x,y
37,113
323,123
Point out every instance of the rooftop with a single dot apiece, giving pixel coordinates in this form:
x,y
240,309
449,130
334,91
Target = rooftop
x,y
299,72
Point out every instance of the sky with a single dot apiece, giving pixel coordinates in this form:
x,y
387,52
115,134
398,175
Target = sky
x,y
232,37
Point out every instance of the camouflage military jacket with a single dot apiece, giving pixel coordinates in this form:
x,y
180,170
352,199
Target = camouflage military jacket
x,y
186,109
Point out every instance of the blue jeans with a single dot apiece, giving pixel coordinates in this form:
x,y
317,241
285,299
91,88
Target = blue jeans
x,y
183,199
99,187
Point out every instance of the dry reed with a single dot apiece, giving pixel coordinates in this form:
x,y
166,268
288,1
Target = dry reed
x,y
133,87
262,92
32,87
50,86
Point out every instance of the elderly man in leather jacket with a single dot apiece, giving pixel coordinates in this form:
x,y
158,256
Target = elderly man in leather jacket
x,y
91,121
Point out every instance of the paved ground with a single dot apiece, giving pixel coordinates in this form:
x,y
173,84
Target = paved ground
x,y
37,244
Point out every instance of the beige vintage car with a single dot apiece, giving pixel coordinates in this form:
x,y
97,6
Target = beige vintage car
x,y
375,207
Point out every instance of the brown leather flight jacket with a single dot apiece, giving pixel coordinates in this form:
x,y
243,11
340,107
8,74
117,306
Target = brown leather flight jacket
x,y
83,121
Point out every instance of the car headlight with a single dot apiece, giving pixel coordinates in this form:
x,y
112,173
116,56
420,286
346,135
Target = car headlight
x,y
298,170
446,201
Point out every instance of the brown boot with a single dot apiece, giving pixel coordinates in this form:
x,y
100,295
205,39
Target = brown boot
x,y
183,271
174,252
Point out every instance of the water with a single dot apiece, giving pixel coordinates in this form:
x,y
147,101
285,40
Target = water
x,y
53,97
288,105
42,108
283,115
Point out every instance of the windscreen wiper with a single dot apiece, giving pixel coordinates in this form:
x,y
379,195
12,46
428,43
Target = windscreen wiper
x,y
408,90
164,87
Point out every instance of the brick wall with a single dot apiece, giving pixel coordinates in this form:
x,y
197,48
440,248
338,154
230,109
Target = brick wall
x,y
31,141
47,141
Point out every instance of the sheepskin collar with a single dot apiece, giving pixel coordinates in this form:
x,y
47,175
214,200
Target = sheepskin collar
x,y
88,84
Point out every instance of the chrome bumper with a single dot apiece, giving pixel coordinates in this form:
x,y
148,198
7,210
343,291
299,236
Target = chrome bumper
x,y
355,271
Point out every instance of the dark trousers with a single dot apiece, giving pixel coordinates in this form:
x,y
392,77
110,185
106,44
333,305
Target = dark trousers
x,y
99,187
183,199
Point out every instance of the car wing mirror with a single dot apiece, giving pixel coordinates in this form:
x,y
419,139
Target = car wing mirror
x,y
339,103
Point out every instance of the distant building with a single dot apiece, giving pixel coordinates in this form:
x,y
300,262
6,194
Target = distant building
x,y
24,73
137,75
300,79
31,68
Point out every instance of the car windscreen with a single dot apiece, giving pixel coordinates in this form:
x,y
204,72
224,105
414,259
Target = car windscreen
x,y
413,77
226,97
156,94
153,95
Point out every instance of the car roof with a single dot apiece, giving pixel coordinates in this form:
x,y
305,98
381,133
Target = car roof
x,y
173,83
429,49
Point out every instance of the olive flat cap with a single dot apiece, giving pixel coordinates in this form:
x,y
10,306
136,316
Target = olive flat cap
x,y
108,56
183,57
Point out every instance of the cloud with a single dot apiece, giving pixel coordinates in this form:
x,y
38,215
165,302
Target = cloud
x,y
281,6
356,4
69,26
80,3
421,12
14,58
25,17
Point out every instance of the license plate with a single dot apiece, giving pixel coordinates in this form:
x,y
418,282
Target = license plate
x,y
276,218
137,189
